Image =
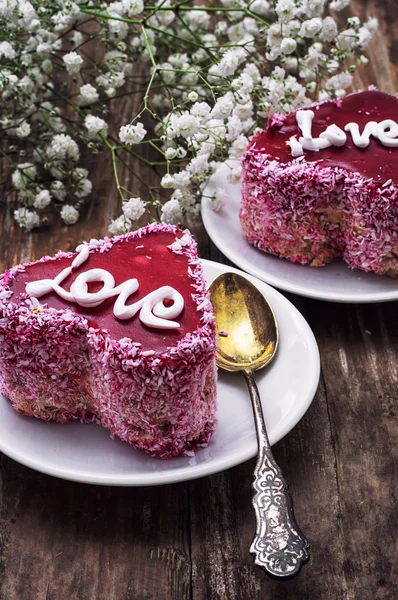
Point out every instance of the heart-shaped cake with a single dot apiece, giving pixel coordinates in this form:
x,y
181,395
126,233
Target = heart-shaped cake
x,y
120,333
322,182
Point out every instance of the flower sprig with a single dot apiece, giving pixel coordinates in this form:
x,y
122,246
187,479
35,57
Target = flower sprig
x,y
207,77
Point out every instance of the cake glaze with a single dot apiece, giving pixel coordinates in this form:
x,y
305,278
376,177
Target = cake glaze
x,y
154,388
339,201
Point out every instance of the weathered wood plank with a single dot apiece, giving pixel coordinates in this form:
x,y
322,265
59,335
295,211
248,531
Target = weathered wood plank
x,y
359,350
69,540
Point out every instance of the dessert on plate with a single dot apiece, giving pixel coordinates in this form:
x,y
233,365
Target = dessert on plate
x,y
322,182
120,333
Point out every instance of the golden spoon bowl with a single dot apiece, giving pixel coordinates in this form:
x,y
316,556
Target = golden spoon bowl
x,y
244,314
247,341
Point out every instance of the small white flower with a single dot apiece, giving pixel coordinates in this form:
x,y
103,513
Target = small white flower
x,y
28,219
95,126
201,110
372,25
88,94
235,175
171,212
58,190
286,10
288,45
167,181
310,28
244,83
199,164
73,62
83,188
119,225
338,5
23,130
365,35
261,7
184,197
238,147
347,39
230,62
23,175
243,111
193,96
133,209
132,134
186,125
7,7
42,199
69,214
63,147
339,82
171,153
7,50
218,199
133,7
329,30
235,128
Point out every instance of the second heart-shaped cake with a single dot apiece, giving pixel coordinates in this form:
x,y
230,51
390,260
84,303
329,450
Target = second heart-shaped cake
x,y
120,333
322,182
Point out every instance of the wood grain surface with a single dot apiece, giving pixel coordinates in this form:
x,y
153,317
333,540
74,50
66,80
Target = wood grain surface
x,y
67,541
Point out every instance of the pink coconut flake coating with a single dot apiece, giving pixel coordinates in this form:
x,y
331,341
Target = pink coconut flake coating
x,y
55,366
324,204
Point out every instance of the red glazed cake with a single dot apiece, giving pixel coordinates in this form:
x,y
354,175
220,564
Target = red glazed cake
x,y
121,334
322,182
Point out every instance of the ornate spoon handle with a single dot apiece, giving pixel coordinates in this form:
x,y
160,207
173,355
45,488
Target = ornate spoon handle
x,y
278,546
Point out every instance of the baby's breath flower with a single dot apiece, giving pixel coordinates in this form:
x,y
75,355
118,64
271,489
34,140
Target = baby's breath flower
x,y
83,188
87,94
73,62
7,50
329,30
133,7
288,45
28,219
25,173
42,199
218,199
133,209
309,29
132,134
235,174
23,130
95,126
120,225
286,10
338,5
193,96
170,153
69,214
171,212
63,147
58,190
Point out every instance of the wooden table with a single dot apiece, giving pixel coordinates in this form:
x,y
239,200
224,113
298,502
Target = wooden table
x,y
61,540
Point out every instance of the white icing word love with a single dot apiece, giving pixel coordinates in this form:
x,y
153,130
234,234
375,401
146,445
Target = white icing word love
x,y
153,311
386,131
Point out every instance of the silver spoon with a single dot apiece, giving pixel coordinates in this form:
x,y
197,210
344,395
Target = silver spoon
x,y
242,312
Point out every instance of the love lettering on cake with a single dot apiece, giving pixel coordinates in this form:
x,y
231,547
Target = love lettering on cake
x,y
386,132
153,312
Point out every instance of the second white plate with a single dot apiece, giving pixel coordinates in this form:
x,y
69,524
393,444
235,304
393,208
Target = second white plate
x,y
86,453
335,281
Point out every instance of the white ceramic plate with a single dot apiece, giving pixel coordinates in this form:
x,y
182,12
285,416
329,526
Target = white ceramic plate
x,y
86,453
335,281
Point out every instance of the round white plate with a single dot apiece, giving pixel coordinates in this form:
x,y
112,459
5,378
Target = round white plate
x,y
86,453
335,281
